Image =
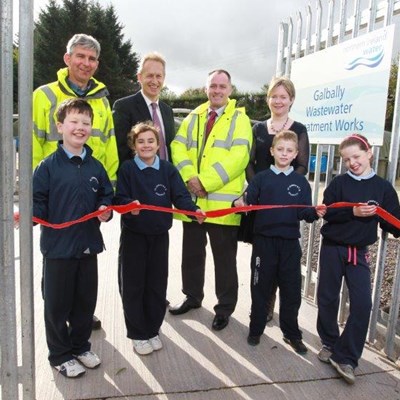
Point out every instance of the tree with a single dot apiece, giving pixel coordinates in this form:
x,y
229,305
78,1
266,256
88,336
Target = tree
x,y
59,22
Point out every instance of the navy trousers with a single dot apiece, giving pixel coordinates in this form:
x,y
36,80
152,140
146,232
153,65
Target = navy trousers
x,y
70,295
338,262
143,278
275,260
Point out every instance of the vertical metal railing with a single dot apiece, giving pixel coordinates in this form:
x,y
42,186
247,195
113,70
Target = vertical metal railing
x,y
25,87
17,353
8,327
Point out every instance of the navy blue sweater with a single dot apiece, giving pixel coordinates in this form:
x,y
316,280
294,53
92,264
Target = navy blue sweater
x,y
343,226
269,188
163,187
64,191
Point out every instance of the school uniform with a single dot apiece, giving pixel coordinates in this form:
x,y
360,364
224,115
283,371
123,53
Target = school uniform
x,y
276,252
144,242
65,188
344,254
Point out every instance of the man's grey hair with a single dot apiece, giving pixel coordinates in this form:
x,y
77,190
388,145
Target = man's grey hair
x,y
86,41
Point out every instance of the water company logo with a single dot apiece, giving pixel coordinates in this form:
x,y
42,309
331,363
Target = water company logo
x,y
369,62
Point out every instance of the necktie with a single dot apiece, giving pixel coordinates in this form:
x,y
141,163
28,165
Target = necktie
x,y
210,123
157,123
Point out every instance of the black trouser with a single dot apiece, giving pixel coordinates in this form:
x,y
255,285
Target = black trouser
x,y
143,278
70,295
223,240
275,259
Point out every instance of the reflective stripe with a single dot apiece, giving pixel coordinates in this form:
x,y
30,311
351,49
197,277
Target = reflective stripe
x,y
241,142
221,172
53,135
222,197
222,144
183,140
232,127
184,164
40,133
98,133
190,139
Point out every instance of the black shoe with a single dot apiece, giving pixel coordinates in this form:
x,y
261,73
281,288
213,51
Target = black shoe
x,y
220,322
182,308
253,340
297,345
96,324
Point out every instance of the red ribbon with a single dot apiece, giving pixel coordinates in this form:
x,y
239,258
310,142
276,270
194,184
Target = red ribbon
x,y
209,214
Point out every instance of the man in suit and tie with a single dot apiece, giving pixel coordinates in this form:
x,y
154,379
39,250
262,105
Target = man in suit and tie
x,y
144,106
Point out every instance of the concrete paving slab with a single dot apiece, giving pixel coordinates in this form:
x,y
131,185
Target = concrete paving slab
x,y
197,363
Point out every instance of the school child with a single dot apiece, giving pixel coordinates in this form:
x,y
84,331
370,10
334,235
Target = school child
x,y
344,254
276,254
144,242
67,185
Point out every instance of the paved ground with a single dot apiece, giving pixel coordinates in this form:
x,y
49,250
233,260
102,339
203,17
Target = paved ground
x,y
196,362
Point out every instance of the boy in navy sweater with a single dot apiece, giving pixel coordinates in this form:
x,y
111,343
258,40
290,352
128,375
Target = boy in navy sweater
x,y
144,243
344,253
67,185
276,252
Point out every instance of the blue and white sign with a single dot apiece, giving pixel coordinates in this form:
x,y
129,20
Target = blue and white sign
x,y
343,89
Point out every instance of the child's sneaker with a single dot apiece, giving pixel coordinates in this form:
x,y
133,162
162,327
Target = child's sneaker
x,y
325,354
345,370
89,359
142,347
156,343
70,369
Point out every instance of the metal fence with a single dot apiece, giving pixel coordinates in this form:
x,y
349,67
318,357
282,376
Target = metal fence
x,y
17,369
351,22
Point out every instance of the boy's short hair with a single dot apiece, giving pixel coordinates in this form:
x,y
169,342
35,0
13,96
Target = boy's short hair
x,y
286,135
86,41
80,105
138,129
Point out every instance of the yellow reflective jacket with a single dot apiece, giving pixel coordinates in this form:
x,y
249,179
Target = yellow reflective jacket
x,y
45,135
220,162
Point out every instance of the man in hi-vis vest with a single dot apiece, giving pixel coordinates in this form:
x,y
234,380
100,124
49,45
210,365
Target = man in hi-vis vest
x,y
211,152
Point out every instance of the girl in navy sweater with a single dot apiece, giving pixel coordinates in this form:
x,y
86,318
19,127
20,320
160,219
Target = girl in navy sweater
x,y
344,253
144,242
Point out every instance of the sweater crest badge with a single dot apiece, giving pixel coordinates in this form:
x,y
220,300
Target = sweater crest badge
x,y
293,190
94,183
160,190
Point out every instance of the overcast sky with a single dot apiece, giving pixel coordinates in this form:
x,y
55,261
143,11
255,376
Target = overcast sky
x,y
198,36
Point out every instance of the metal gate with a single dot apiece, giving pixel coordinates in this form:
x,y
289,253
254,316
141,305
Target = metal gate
x,y
17,369
351,22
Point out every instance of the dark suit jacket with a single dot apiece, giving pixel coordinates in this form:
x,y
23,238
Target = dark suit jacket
x,y
130,110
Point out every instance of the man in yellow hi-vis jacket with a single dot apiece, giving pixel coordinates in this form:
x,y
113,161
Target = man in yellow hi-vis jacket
x,y
76,80
211,152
